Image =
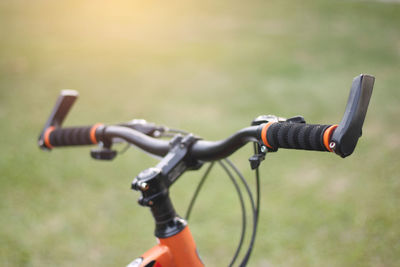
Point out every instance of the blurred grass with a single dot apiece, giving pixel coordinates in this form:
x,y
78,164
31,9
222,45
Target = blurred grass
x,y
210,68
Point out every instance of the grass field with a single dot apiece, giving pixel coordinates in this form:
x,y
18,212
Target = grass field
x,y
209,67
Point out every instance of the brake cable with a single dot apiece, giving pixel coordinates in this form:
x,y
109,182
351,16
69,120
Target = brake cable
x,y
198,188
256,212
254,209
243,233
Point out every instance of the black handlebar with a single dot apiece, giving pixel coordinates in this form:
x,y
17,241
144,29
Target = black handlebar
x,y
340,139
278,135
201,150
208,150
149,144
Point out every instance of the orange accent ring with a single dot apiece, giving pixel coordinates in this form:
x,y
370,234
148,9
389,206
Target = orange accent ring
x,y
93,132
327,136
264,133
46,136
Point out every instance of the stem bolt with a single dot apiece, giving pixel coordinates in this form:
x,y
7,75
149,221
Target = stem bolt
x,y
143,186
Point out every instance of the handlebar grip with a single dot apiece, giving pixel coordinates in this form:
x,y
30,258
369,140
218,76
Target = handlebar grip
x,y
297,136
71,136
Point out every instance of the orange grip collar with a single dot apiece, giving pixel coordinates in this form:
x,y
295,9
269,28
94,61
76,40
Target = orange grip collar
x,y
327,136
264,134
93,132
46,136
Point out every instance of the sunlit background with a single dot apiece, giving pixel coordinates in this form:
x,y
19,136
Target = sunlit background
x,y
208,67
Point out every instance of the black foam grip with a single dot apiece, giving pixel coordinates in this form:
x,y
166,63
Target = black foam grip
x,y
297,136
73,136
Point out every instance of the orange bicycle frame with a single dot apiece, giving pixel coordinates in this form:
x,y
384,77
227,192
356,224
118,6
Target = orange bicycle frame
x,y
175,251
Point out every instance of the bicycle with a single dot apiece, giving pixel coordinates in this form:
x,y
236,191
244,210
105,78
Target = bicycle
x,y
185,151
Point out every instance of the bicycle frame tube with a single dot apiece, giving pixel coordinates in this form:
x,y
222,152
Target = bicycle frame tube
x,y
175,251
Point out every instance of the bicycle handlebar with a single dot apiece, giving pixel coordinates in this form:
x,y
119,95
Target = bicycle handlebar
x,y
201,150
149,144
212,150
274,134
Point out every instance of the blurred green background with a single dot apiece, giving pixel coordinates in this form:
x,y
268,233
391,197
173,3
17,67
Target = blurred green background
x,y
209,67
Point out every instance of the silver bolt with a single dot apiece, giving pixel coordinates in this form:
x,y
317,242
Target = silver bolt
x,y
143,186
263,149
157,133
332,145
